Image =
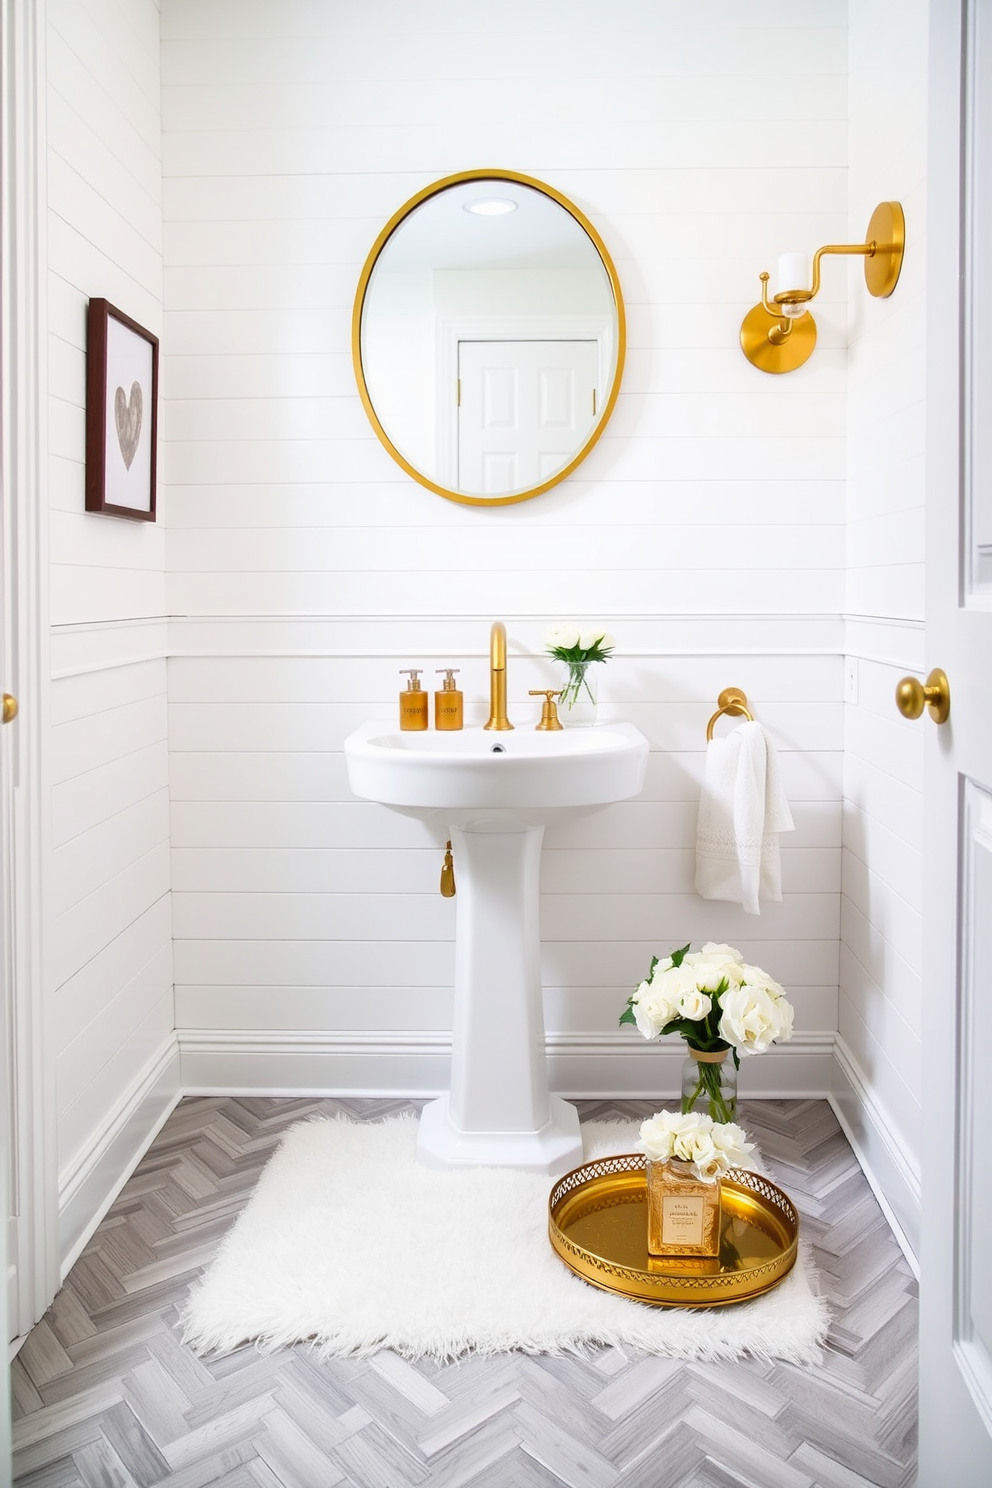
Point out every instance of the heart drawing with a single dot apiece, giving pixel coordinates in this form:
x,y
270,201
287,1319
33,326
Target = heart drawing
x,y
127,417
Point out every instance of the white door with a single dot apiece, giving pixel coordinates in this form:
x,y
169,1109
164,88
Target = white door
x,y
525,408
956,1270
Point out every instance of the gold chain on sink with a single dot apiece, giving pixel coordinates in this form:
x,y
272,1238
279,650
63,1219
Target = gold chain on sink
x,y
448,874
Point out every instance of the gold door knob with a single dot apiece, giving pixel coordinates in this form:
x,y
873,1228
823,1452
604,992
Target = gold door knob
x,y
9,707
912,696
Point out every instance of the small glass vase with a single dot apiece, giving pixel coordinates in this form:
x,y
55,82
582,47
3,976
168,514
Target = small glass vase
x,y
577,695
683,1211
709,1083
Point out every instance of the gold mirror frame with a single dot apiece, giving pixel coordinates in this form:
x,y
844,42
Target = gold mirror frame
x,y
356,333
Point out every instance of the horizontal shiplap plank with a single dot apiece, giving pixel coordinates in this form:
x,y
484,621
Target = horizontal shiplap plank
x,y
395,1008
366,676
411,917
691,503
105,687
370,964
628,548
790,590
102,593
89,860
86,800
85,744
79,1000
82,931
253,824
330,870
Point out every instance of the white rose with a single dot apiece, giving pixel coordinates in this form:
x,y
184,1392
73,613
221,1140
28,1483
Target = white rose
x,y
590,638
712,949
695,1005
675,982
565,636
755,977
731,1140
656,1138
709,1169
711,972
698,1149
660,1133
652,1010
689,1145
752,1020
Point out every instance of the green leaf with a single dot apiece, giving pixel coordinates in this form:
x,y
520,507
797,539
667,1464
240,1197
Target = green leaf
x,y
628,1017
679,956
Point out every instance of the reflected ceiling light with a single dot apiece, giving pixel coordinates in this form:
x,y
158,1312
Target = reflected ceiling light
x,y
490,206
779,336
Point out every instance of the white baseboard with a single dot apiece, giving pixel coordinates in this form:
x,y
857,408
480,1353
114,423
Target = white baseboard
x,y
221,1061
91,1182
894,1177
618,1063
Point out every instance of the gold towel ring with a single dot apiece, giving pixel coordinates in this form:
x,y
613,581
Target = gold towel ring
x,y
733,702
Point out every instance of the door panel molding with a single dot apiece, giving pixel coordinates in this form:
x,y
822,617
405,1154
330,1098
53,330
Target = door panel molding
x,y
972,1279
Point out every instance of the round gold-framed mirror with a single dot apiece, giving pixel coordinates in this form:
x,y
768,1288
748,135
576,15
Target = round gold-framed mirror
x,y
488,337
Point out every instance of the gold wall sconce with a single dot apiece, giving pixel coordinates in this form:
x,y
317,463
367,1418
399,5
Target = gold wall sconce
x,y
779,336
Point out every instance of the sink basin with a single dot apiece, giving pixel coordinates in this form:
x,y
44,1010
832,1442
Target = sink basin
x,y
476,775
494,793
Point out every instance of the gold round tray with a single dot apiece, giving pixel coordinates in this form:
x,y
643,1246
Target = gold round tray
x,y
598,1226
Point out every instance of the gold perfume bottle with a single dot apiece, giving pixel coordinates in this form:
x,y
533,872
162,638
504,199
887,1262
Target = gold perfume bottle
x,y
413,701
448,702
683,1212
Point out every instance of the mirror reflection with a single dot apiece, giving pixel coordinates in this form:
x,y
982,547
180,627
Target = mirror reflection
x,y
489,337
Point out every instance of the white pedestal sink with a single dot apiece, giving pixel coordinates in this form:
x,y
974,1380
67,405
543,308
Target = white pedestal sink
x,y
494,793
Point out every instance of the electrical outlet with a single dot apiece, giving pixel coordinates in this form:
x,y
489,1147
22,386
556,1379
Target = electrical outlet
x,y
851,680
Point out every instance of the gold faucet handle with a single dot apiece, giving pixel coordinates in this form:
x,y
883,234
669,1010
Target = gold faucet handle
x,y
549,713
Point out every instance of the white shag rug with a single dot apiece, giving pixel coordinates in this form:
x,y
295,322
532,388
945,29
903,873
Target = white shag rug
x,y
350,1245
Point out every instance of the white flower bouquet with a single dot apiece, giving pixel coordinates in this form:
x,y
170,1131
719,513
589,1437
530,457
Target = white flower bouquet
x,y
711,1148
577,647
715,1001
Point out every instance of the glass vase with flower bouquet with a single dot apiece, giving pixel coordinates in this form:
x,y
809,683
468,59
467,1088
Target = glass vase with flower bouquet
x,y
722,1007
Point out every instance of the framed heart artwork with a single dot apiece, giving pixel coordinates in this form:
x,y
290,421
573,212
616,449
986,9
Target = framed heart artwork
x,y
121,414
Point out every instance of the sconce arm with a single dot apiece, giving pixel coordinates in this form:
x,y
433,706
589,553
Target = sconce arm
x,y
866,249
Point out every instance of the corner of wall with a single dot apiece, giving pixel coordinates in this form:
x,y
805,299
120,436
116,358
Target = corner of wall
x,y
893,1176
97,1173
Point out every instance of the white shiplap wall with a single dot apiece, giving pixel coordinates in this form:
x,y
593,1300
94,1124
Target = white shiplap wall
x,y
110,967
880,989
706,529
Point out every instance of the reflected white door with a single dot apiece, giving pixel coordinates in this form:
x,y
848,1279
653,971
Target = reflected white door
x,y
525,408
956,1272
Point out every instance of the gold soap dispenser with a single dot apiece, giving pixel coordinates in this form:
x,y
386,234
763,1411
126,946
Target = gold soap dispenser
x,y
413,700
448,702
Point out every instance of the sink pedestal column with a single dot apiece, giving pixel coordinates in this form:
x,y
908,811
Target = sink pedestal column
x,y
499,1110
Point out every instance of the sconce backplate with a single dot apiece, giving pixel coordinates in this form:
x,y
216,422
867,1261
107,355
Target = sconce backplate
x,y
887,229
788,354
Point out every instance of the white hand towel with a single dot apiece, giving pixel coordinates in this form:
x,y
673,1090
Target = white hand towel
x,y
742,809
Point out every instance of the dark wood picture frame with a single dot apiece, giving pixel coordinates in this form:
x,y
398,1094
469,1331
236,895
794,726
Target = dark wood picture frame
x,y
121,414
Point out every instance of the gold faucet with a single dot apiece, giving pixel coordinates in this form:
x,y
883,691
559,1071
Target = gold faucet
x,y
497,678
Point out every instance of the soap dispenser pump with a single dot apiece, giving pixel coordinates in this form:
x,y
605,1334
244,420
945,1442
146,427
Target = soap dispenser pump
x,y
413,700
448,702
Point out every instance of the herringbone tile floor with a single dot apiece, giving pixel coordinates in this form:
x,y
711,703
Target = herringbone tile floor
x,y
105,1394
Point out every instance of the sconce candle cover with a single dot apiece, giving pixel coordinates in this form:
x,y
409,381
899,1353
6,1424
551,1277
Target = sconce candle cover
x,y
793,272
